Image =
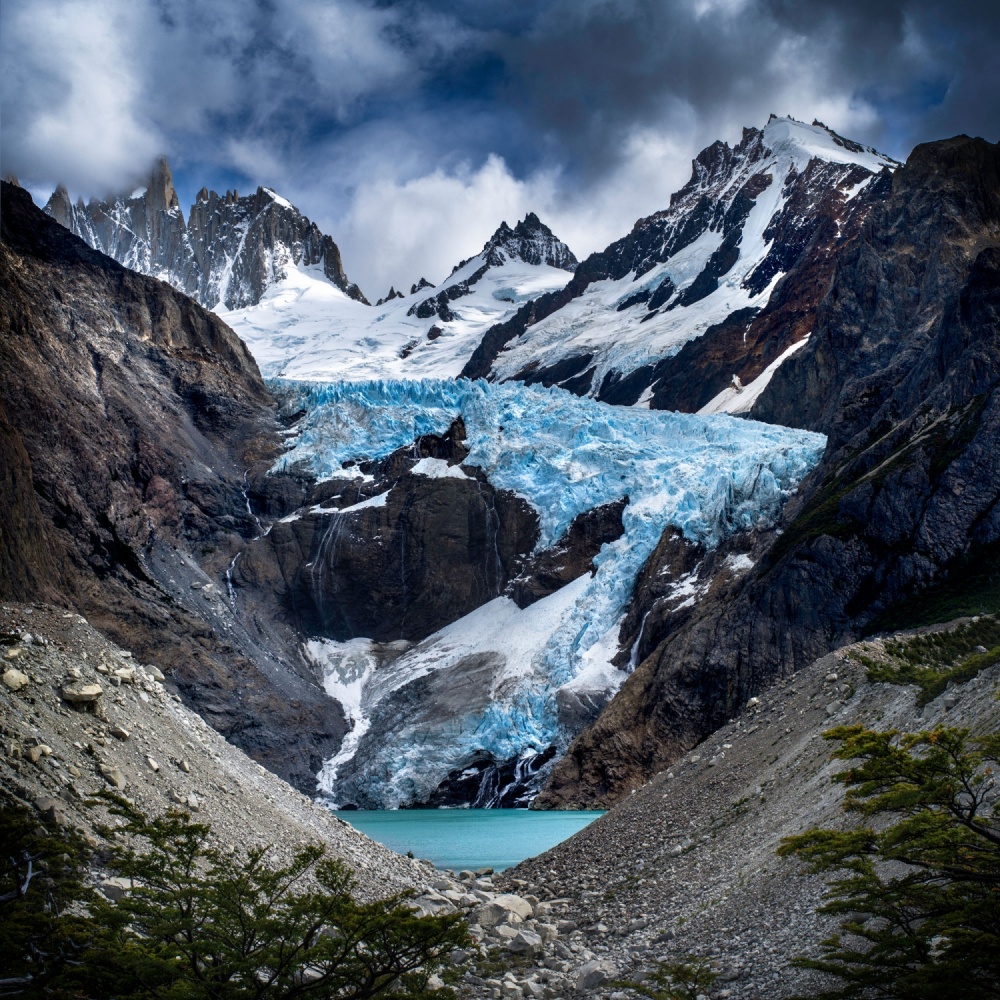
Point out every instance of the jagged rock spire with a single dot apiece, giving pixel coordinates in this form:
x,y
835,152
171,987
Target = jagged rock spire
x,y
227,253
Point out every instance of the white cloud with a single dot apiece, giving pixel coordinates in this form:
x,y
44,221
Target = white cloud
x,y
396,232
84,123
409,132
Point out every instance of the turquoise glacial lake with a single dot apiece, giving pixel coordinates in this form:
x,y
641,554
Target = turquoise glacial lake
x,y
469,838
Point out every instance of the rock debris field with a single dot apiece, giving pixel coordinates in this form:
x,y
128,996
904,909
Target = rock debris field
x,y
686,865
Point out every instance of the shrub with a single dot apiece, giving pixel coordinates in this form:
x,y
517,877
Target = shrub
x,y
204,923
917,885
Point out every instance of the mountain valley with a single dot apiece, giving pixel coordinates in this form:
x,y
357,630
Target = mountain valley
x,y
616,533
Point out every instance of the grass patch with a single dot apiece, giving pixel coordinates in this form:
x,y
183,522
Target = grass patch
x,y
823,517
933,662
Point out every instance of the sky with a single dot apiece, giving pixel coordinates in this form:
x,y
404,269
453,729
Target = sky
x,y
408,129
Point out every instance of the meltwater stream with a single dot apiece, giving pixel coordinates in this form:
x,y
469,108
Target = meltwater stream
x,y
469,838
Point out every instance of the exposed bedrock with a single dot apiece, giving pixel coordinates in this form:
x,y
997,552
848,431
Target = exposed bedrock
x,y
128,415
903,373
395,558
571,556
432,551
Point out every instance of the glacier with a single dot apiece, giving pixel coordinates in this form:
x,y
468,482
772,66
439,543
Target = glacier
x,y
706,476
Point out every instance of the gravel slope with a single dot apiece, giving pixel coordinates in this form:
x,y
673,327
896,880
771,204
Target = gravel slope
x,y
56,754
687,863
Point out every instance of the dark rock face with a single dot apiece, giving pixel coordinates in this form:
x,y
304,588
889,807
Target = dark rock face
x,y
487,784
229,251
572,555
426,552
817,220
903,373
435,550
128,415
531,241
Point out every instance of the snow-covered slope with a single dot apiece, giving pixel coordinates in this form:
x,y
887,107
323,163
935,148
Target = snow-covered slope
x,y
304,327
753,232
506,683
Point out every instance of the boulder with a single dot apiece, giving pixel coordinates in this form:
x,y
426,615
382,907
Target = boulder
x,y
488,915
514,904
14,679
594,973
113,776
116,888
82,694
52,809
526,943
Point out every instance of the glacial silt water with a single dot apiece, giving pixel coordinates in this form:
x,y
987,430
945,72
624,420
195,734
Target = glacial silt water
x,y
470,838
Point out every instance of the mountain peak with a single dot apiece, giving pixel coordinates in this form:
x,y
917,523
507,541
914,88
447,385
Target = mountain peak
x,y
228,251
788,136
530,241
160,193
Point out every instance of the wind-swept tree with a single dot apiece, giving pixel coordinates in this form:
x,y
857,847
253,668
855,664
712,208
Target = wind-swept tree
x,y
917,883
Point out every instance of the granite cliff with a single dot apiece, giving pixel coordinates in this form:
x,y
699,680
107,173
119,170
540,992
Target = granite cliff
x,y
227,254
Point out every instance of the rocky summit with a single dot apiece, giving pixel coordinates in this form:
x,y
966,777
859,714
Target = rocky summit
x,y
227,253
723,282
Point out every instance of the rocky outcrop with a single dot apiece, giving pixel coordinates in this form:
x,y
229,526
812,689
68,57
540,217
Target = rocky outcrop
x,y
399,564
128,416
530,241
227,253
572,555
903,373
756,289
398,556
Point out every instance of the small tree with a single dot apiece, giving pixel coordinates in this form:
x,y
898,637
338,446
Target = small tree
x,y
43,895
918,884
201,922
677,979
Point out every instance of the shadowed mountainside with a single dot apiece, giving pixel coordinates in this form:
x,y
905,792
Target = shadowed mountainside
x,y
128,416
903,374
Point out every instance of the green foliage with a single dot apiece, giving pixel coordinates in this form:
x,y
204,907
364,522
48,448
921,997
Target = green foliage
x,y
822,516
686,978
917,884
42,871
203,923
934,661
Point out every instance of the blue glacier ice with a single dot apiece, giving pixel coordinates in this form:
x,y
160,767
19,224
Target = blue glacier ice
x,y
707,476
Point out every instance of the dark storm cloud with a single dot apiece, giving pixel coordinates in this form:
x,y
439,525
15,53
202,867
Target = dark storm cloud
x,y
589,73
405,112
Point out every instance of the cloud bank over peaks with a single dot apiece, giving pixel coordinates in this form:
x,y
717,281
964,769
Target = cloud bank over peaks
x,y
409,128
